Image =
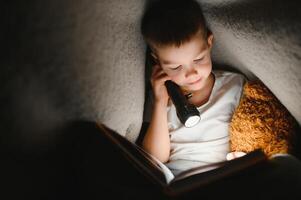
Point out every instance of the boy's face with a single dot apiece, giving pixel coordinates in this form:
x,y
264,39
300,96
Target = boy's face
x,y
188,65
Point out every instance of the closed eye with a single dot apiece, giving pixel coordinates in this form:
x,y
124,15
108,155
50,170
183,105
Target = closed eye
x,y
198,60
175,68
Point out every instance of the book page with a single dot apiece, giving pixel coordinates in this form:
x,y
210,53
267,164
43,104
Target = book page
x,y
198,170
226,167
188,180
169,176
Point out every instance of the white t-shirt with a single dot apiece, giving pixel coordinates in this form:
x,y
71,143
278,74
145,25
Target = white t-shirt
x,y
208,141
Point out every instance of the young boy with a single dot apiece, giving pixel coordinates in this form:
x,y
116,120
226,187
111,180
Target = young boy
x,y
180,44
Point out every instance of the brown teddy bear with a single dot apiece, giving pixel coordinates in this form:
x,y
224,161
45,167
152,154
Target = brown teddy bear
x,y
261,122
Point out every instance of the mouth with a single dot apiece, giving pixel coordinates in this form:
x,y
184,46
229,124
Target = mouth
x,y
195,82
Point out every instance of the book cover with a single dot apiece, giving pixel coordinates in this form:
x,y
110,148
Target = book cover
x,y
186,181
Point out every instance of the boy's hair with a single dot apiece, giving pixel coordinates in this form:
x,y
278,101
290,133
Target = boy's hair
x,y
172,22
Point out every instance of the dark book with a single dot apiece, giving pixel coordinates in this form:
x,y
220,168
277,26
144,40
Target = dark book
x,y
186,181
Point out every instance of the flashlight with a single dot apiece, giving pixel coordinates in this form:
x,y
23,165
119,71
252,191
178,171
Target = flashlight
x,y
186,112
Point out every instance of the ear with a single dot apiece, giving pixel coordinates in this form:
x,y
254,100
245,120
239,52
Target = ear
x,y
210,40
154,55
154,58
153,52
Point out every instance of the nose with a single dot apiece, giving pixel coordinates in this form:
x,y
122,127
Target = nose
x,y
191,71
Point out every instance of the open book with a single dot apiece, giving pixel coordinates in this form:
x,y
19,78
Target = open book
x,y
186,181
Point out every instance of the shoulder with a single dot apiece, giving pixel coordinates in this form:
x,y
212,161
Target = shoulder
x,y
229,84
228,74
228,77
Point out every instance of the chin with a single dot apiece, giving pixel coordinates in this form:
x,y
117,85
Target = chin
x,y
193,88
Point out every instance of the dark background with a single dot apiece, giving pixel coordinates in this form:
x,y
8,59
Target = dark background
x,y
47,81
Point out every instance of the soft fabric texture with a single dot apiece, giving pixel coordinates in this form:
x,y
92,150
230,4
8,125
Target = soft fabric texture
x,y
86,60
262,122
208,141
262,40
71,60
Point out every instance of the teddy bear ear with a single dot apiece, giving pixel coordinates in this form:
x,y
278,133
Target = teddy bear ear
x,y
257,90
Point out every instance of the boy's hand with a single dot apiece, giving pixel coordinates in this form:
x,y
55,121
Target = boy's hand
x,y
157,80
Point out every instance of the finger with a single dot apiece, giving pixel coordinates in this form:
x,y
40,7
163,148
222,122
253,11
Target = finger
x,y
156,69
158,78
159,74
162,78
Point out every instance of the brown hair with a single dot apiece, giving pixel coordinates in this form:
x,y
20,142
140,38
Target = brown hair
x,y
172,22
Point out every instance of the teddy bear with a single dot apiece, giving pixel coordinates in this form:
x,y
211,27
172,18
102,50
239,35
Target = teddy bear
x,y
260,121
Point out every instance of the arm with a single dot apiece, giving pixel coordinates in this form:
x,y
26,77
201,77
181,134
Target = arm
x,y
156,140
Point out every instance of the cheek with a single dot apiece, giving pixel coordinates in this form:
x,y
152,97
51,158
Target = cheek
x,y
205,68
177,79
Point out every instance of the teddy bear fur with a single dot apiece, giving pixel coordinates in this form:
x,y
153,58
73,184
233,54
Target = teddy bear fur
x,y
261,122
